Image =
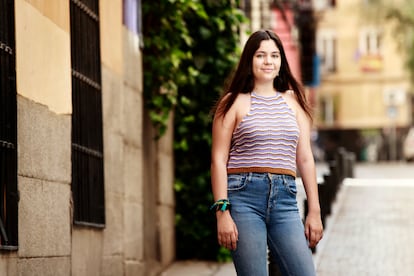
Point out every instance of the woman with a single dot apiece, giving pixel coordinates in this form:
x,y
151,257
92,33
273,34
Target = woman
x,y
261,132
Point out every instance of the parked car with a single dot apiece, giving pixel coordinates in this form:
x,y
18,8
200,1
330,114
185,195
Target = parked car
x,y
408,146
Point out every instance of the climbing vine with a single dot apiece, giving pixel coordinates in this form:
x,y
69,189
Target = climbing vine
x,y
167,45
190,48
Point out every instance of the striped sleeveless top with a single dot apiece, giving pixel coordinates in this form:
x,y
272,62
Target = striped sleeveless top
x,y
266,138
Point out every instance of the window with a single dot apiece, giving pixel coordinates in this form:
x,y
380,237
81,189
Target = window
x,y
327,108
87,140
370,41
326,48
8,129
370,57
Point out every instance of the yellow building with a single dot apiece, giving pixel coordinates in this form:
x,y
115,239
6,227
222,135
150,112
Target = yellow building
x,y
364,85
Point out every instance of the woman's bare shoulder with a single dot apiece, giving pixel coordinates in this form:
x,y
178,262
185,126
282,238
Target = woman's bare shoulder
x,y
291,99
242,105
289,95
240,97
243,96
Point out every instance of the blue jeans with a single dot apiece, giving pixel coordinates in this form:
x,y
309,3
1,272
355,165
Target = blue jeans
x,y
264,208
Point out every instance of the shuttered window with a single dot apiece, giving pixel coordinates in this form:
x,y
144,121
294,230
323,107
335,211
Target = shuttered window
x,y
87,140
8,129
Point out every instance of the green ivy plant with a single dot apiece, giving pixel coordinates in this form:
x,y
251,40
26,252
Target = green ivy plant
x,y
167,44
190,48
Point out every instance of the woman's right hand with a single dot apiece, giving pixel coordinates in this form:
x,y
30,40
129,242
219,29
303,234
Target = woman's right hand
x,y
227,233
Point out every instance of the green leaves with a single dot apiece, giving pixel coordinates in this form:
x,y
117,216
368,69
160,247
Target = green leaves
x,y
191,46
168,44
403,17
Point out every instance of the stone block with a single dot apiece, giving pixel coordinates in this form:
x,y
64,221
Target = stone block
x,y
113,233
132,118
113,266
44,218
87,251
133,177
44,142
133,75
166,216
165,157
112,100
56,266
113,163
8,265
134,268
165,144
133,233
166,179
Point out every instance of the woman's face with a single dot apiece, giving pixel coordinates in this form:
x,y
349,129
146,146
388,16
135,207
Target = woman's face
x,y
266,61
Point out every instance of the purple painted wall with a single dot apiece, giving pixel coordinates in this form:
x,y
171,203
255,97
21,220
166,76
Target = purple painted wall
x,y
131,15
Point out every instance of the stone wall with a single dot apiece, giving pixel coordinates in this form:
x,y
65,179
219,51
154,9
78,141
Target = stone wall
x,y
138,238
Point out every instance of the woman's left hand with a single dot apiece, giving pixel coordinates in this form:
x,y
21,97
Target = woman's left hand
x,y
313,229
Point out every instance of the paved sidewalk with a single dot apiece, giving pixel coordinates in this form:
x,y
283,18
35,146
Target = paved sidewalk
x,y
370,232
194,268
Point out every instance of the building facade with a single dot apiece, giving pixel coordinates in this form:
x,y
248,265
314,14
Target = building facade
x,y
364,100
278,16
92,192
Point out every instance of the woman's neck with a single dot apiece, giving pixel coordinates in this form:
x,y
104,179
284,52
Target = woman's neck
x,y
264,89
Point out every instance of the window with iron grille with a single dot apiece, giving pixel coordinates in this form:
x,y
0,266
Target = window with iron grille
x,y
87,140
8,129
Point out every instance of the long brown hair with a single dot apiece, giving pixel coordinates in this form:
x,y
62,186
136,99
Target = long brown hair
x,y
242,80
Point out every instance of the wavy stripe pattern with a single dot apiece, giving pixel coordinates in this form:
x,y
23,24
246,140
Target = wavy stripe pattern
x,y
266,137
